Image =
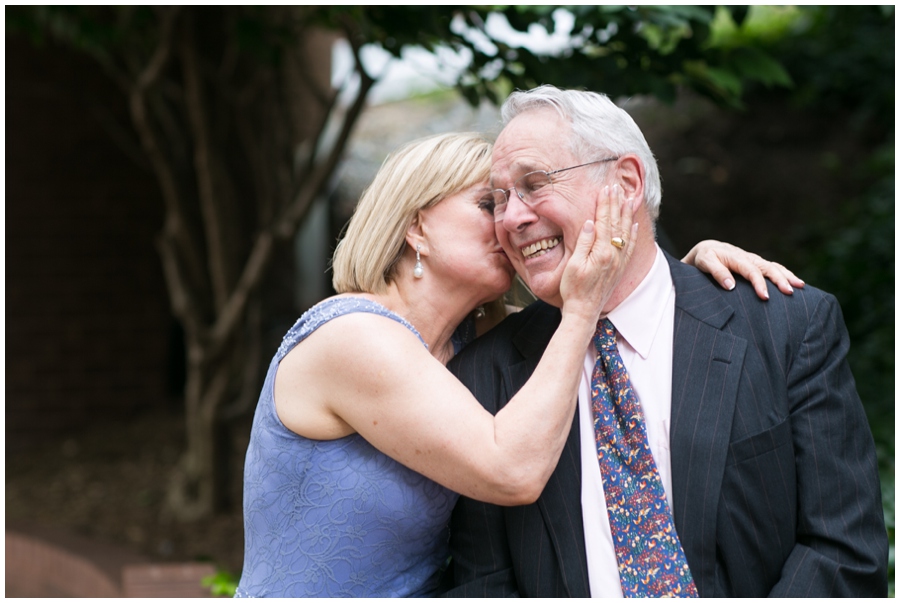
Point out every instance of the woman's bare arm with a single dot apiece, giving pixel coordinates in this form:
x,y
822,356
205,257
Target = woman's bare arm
x,y
368,374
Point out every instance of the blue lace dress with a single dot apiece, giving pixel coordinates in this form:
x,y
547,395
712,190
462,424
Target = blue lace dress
x,y
336,518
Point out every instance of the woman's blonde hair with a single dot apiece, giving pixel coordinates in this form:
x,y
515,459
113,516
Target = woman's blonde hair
x,y
419,175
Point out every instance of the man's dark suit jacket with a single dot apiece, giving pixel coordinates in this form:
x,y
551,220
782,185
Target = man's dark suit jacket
x,y
774,480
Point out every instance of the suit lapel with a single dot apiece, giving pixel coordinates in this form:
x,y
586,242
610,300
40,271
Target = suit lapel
x,y
707,364
560,502
560,506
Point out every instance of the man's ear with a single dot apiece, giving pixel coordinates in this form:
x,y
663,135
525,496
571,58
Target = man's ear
x,y
630,176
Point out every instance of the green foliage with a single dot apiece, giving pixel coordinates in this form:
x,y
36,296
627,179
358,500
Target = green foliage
x,y
842,60
760,25
621,50
221,584
738,41
842,57
756,65
856,263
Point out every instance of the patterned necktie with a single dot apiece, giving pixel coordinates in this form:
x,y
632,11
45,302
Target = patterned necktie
x,y
651,560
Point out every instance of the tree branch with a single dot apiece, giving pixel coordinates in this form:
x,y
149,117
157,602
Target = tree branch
x,y
286,225
253,138
138,106
182,303
216,254
282,229
121,136
247,364
301,66
295,212
230,316
160,57
316,140
174,236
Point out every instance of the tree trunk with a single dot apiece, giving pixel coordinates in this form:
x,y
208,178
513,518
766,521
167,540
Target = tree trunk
x,y
242,134
193,492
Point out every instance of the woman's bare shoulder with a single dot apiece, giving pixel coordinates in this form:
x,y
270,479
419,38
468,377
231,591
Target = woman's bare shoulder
x,y
352,353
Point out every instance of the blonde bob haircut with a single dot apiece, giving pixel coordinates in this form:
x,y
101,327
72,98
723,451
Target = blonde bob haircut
x,y
419,175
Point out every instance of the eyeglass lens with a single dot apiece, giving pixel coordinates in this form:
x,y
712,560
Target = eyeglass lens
x,y
530,188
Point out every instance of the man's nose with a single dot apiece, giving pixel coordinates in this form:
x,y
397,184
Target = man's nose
x,y
518,214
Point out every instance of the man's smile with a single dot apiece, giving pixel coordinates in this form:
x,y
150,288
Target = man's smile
x,y
539,248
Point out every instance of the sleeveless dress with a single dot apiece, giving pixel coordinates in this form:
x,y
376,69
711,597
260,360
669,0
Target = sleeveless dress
x,y
336,518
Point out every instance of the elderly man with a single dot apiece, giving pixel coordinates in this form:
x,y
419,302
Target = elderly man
x,y
719,447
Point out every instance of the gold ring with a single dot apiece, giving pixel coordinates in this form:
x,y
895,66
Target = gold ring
x,y
618,242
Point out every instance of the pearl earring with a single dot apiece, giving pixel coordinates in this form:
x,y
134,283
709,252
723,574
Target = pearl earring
x,y
418,271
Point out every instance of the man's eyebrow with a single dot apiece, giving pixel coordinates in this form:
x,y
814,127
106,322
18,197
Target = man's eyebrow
x,y
520,168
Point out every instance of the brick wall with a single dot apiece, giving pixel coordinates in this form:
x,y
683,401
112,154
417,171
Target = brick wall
x,y
87,323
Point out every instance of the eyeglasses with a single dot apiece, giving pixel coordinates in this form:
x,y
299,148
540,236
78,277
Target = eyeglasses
x,y
531,189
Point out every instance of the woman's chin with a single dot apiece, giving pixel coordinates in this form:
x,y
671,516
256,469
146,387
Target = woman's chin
x,y
506,285
497,291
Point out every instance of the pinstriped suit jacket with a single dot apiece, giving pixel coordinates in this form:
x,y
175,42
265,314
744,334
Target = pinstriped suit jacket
x,y
774,477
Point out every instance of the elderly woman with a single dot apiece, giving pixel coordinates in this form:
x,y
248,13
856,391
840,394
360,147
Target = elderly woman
x,y
362,439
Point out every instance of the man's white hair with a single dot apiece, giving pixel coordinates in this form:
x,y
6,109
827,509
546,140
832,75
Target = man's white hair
x,y
600,129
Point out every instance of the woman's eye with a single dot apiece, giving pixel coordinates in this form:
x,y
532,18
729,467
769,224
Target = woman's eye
x,y
487,203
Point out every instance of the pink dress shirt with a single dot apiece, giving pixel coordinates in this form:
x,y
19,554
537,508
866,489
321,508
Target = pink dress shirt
x,y
645,321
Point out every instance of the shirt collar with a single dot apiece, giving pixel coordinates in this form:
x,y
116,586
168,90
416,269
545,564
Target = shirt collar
x,y
639,316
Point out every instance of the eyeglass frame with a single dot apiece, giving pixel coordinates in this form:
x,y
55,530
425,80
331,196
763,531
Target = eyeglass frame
x,y
520,178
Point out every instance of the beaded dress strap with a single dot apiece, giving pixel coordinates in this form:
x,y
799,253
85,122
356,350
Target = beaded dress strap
x,y
330,309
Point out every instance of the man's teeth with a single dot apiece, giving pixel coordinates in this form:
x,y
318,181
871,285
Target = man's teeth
x,y
540,248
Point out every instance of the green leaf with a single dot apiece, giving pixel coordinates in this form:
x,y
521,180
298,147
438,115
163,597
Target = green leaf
x,y
754,64
221,584
725,82
738,13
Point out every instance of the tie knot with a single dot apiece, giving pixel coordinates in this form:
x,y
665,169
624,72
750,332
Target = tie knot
x,y
605,336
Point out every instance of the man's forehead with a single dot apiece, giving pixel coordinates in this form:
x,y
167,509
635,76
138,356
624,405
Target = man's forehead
x,y
524,159
534,140
517,168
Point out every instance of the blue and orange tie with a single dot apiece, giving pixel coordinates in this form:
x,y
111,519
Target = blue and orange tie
x,y
651,560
